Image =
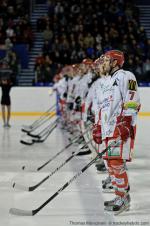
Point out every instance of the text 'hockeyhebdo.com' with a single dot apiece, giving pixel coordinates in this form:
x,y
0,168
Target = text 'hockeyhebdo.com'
x,y
125,223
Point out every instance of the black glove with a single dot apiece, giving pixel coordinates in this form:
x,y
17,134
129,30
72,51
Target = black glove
x,y
70,106
65,95
78,100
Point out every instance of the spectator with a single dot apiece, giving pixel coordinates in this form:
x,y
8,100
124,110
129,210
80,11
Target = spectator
x,y
47,34
146,67
15,28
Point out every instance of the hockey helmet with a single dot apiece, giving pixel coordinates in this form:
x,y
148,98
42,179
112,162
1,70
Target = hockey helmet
x,y
87,61
116,55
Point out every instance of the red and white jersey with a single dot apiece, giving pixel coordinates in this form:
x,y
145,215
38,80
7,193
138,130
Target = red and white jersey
x,y
77,85
89,100
97,100
61,87
117,94
82,86
90,96
71,89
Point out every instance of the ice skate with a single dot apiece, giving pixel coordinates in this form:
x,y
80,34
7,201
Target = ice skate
x,y
118,204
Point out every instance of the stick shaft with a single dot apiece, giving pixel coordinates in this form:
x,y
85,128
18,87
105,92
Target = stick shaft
x,y
35,211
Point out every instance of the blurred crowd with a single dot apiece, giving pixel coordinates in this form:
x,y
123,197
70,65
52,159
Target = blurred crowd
x,y
45,69
15,28
74,30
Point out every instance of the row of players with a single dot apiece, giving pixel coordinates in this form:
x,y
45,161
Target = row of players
x,y
103,89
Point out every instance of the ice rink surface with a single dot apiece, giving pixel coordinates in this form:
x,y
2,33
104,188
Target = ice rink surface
x,y
81,203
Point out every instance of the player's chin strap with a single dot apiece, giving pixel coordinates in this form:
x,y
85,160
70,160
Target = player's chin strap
x,y
113,70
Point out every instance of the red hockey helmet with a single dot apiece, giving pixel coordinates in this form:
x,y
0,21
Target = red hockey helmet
x,y
116,55
67,69
87,61
75,68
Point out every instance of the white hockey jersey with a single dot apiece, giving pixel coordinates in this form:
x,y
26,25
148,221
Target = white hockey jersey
x,y
82,86
61,87
117,94
71,89
89,100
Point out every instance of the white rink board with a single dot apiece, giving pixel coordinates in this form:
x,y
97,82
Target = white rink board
x,y
37,99
31,99
144,96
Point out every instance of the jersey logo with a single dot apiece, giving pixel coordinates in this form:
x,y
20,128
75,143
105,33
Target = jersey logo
x,y
115,83
132,85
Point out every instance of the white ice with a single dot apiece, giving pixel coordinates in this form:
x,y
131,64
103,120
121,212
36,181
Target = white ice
x,y
81,203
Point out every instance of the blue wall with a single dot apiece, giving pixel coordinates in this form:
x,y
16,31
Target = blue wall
x,y
2,53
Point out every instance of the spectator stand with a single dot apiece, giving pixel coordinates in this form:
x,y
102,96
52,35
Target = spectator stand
x,y
74,31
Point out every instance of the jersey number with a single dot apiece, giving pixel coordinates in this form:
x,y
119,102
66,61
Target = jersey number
x,y
132,95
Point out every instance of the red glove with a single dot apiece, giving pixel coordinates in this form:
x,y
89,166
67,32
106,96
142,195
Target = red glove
x,y
123,128
97,134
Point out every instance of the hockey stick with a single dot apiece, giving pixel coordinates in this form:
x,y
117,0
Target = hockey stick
x,y
86,137
57,154
27,142
21,212
32,188
39,135
35,136
45,114
47,133
32,141
40,124
81,134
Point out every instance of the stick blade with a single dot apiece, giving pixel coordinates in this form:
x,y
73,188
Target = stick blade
x,y
20,212
20,187
34,135
38,141
25,131
26,143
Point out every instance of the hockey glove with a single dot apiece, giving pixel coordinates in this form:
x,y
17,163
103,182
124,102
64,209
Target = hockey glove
x,y
78,100
65,95
78,104
70,106
123,128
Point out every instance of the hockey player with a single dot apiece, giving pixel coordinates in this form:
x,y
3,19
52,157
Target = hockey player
x,y
87,114
71,86
92,104
62,88
75,76
99,70
120,103
82,86
81,92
